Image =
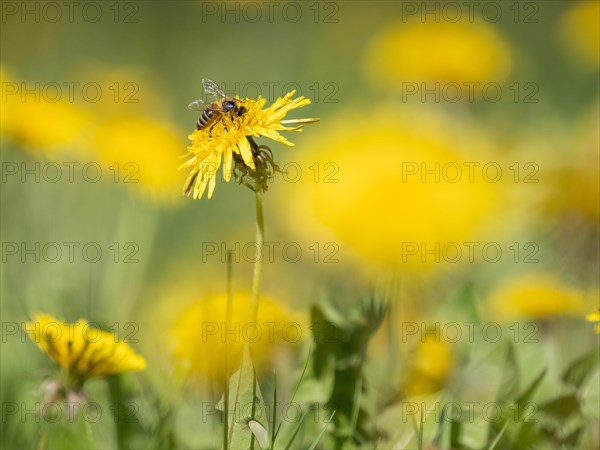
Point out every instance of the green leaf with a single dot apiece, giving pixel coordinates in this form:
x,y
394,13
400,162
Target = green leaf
x,y
508,390
455,432
562,407
526,396
578,371
115,390
462,306
124,407
245,404
439,434
402,443
529,436
260,433
420,433
509,383
572,438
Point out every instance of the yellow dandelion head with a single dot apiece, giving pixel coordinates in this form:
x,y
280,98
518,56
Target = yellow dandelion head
x,y
430,366
124,90
82,351
535,297
201,337
143,150
580,28
394,189
46,127
226,141
594,317
458,52
40,124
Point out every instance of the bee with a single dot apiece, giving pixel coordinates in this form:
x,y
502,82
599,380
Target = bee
x,y
220,106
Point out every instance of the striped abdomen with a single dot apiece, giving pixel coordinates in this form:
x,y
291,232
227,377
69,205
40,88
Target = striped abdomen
x,y
205,119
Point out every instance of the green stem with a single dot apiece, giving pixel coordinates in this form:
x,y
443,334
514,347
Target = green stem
x,y
260,240
227,352
43,442
229,289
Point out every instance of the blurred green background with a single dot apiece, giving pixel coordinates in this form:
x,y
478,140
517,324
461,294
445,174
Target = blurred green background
x,y
359,62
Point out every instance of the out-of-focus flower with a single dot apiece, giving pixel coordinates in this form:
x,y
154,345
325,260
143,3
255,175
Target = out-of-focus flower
x,y
124,90
201,336
580,28
460,52
403,189
535,296
146,153
594,317
81,351
228,140
47,126
430,366
38,124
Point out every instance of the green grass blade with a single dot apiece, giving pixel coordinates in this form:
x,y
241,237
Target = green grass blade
x,y
356,406
420,435
498,437
297,387
274,415
289,444
316,442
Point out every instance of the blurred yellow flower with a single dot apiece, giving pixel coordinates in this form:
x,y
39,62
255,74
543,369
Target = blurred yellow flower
x,y
430,366
201,336
461,52
229,137
407,191
125,90
146,153
44,126
535,296
82,351
580,28
594,317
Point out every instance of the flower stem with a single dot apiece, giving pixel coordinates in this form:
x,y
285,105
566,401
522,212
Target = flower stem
x,y
43,442
260,240
227,352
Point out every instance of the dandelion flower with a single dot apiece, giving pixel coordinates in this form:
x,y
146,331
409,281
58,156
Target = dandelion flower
x,y
430,366
142,148
457,52
389,191
81,351
132,90
580,27
594,317
535,296
46,127
201,336
40,124
230,139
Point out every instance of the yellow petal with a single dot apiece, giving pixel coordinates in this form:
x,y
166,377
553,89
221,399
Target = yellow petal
x,y
246,152
227,165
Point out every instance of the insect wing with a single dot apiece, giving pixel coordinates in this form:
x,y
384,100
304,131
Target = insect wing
x,y
212,90
197,105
